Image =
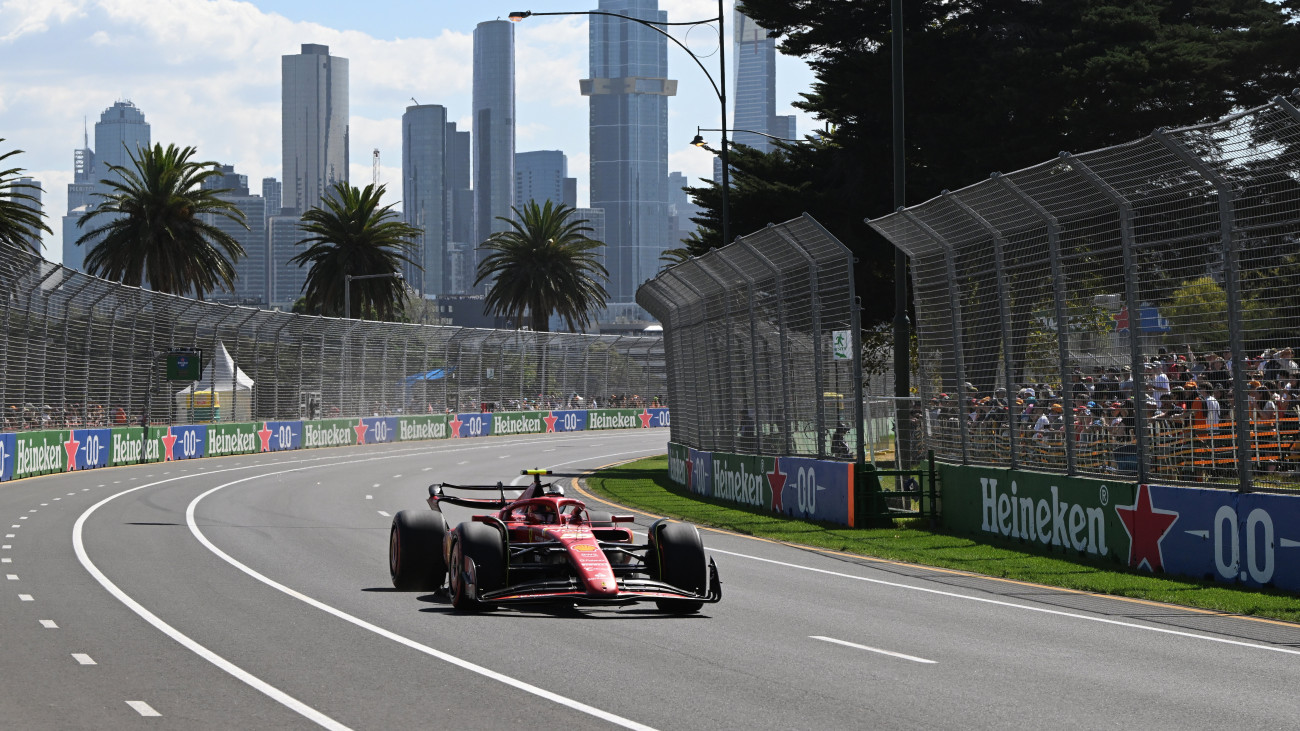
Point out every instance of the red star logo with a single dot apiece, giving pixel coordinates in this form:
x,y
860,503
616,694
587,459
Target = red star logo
x,y
265,436
70,447
454,425
360,429
1121,320
169,441
1146,526
690,471
776,479
550,420
645,416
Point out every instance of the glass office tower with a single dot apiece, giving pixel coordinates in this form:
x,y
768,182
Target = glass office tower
x,y
494,126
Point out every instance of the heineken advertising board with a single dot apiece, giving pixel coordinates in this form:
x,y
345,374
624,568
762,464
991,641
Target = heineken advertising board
x,y
8,448
227,439
414,428
277,436
189,441
40,453
377,430
519,422
807,489
125,446
470,425
333,433
565,421
679,458
613,419
658,417
90,448
1048,512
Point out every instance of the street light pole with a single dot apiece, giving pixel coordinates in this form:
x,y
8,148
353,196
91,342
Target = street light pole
x,y
719,89
902,331
347,288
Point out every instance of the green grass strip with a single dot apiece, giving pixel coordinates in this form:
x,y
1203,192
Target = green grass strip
x,y
644,485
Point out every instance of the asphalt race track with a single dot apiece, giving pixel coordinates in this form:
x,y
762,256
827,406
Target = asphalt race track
x,y
253,592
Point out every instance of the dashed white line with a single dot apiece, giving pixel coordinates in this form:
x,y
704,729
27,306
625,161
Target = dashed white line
x,y
396,476
15,526
143,708
873,649
386,515
426,469
45,505
33,510
465,462
25,598
10,535
11,577
57,499
73,493
375,485
6,560
6,547
21,517
49,624
370,497
83,658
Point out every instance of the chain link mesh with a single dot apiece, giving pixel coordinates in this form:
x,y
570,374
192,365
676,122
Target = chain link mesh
x,y
78,350
1131,310
748,330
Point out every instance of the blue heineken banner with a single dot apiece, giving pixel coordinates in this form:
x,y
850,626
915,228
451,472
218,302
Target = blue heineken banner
x,y
469,425
378,430
655,417
1251,539
565,421
679,458
699,472
8,448
190,441
277,436
811,489
92,448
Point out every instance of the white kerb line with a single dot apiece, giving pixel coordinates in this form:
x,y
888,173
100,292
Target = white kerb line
x,y
890,653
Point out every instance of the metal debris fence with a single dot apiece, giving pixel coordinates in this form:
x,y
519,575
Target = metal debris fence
x,y
78,350
1130,310
749,331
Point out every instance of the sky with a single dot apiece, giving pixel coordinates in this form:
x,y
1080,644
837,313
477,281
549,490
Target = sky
x,y
206,73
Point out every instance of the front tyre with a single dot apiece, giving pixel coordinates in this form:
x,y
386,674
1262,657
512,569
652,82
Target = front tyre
x,y
676,557
484,546
415,550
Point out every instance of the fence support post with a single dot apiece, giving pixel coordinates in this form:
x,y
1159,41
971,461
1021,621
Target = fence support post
x,y
814,275
1004,312
954,319
1062,315
753,352
1132,301
782,340
712,442
1231,284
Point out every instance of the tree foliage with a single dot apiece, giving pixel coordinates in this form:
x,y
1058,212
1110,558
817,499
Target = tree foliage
x,y
991,85
158,230
20,214
352,234
544,264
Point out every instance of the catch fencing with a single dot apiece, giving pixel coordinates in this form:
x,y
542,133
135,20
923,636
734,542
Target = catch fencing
x,y
1131,310
81,351
751,330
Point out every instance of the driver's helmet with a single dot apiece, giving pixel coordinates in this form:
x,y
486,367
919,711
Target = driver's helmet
x,y
544,513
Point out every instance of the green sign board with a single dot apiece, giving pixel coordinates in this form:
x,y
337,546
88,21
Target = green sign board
x,y
184,365
225,439
40,453
521,422
1049,512
126,446
329,433
413,428
613,419
741,479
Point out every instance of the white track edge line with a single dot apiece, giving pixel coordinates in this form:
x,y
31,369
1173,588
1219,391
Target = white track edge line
x,y
855,645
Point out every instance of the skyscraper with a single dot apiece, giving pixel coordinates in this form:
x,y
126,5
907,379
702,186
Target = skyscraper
x,y
542,175
31,187
460,194
273,194
681,209
424,193
755,95
629,92
284,278
314,124
251,286
119,134
494,125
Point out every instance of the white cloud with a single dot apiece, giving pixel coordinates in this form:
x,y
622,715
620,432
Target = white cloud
x,y
24,17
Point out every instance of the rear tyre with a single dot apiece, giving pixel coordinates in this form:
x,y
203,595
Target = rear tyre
x,y
483,545
415,550
677,557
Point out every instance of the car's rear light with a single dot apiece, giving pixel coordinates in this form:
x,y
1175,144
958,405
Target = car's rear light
x,y
623,518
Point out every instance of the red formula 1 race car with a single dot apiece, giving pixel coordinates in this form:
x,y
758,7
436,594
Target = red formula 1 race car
x,y
545,547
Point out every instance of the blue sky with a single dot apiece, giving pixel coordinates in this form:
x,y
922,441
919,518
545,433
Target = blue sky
x,y
206,73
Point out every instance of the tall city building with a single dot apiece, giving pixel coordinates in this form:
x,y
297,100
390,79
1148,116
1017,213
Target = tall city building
x,y
681,209
251,285
314,124
629,92
285,279
494,126
273,194
460,197
755,91
30,187
543,175
119,134
424,194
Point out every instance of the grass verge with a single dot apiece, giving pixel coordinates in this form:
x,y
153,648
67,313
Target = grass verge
x,y
644,485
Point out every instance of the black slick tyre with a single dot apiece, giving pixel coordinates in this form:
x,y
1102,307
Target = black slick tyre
x,y
677,558
415,550
483,545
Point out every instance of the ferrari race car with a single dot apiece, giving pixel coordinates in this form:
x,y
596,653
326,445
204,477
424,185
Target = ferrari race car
x,y
545,547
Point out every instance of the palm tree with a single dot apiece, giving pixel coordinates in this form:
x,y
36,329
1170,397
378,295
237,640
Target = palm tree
x,y
20,214
353,235
160,229
545,263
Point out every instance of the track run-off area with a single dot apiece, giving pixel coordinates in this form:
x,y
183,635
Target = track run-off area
x,y
253,592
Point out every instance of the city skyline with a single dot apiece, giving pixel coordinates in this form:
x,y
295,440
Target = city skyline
x,y
208,75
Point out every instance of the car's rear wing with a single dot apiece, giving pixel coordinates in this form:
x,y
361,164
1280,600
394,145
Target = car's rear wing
x,y
438,494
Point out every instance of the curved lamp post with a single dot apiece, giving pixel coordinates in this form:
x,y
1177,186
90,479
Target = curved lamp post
x,y
719,87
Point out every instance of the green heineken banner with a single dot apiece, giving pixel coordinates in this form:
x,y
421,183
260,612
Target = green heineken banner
x,y
741,479
40,453
611,419
225,439
1051,512
126,446
413,428
332,433
518,422
156,441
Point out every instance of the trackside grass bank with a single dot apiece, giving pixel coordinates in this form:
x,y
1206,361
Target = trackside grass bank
x,y
644,485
